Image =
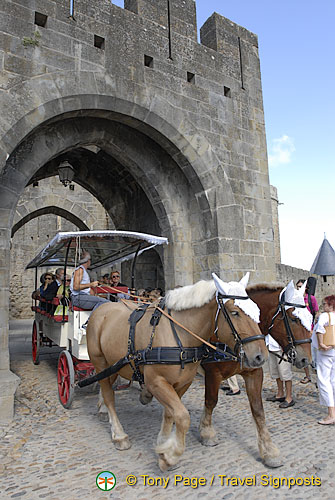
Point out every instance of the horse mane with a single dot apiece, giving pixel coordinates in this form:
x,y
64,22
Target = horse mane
x,y
265,287
190,296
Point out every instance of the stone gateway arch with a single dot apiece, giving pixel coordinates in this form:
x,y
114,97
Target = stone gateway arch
x,y
165,132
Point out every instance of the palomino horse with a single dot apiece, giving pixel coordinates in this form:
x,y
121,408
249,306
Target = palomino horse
x,y
197,307
295,341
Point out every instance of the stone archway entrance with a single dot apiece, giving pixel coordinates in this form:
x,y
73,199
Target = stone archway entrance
x,y
141,184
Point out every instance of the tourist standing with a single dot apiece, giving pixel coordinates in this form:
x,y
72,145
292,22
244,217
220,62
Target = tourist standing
x,y
326,359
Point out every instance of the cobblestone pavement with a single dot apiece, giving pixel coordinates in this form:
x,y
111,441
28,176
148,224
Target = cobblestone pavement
x,y
49,452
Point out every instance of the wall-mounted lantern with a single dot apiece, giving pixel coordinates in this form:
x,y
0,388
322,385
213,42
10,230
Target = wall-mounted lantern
x,y
66,173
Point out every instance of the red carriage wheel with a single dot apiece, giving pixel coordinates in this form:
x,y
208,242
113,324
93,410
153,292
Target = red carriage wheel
x,y
35,344
65,379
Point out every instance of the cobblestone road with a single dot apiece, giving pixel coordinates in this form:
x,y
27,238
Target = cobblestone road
x,y
53,453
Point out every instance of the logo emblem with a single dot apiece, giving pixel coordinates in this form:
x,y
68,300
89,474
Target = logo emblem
x,y
105,480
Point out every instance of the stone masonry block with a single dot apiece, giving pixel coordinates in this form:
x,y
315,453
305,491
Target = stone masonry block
x,y
231,222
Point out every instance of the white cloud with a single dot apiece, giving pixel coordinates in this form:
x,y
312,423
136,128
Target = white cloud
x,y
281,150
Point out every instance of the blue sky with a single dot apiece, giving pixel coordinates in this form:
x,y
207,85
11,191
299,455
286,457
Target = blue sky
x,y
296,45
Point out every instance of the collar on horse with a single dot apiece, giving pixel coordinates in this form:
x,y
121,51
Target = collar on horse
x,y
290,349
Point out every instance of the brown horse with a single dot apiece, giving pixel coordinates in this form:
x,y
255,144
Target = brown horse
x,y
267,299
196,308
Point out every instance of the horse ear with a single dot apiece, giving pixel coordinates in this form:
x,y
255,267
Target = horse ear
x,y
221,286
289,292
244,281
303,288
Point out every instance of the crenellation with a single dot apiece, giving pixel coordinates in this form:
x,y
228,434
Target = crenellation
x,y
184,18
153,10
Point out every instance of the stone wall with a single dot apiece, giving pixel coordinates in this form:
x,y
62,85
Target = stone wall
x,y
275,220
205,98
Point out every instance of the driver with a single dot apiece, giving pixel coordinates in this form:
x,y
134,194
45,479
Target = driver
x,y
81,286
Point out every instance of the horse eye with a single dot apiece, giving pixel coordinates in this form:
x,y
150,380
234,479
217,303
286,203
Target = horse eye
x,y
235,313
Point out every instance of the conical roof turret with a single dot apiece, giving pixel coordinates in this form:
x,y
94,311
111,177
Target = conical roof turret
x,y
324,263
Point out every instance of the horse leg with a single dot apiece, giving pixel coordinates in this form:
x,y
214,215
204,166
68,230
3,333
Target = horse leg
x,y
213,378
167,421
119,437
173,447
166,427
102,408
267,449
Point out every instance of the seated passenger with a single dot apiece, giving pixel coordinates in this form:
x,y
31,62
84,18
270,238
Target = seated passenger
x,y
105,279
155,294
142,294
81,286
63,300
114,282
57,282
47,291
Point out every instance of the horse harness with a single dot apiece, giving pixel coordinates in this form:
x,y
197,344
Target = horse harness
x,y
174,355
290,349
223,352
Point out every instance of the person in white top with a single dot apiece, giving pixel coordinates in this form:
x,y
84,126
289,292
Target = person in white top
x,y
326,360
81,286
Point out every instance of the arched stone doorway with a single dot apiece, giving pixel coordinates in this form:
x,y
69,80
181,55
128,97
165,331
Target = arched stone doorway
x,y
140,177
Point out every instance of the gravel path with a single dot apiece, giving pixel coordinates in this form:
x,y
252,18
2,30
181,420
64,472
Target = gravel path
x,y
49,452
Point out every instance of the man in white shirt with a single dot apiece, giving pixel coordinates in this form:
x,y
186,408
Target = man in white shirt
x,y
81,286
281,372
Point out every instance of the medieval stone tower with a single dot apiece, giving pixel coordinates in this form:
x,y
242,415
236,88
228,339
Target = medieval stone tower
x,y
165,132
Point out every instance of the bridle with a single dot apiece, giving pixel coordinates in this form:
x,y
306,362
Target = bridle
x,y
290,349
239,342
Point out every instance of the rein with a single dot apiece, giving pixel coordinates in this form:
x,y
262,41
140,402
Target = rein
x,y
289,350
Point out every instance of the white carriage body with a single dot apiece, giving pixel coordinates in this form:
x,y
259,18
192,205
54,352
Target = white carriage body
x,y
69,334
66,329
107,247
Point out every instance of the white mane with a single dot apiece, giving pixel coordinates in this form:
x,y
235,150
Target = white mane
x,y
196,295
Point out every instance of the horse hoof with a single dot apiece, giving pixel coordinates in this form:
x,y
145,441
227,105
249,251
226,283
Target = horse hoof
x,y
145,397
208,442
163,464
122,444
273,462
103,417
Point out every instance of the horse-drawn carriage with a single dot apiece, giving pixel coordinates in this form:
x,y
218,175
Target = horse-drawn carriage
x,y
170,342
59,323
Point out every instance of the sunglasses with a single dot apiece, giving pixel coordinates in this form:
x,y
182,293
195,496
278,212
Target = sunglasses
x,y
115,276
48,279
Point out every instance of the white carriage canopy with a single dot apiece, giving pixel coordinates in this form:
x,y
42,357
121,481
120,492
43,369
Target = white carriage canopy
x,y
105,247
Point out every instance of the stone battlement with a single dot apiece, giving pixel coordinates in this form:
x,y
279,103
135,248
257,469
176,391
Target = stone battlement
x,y
41,37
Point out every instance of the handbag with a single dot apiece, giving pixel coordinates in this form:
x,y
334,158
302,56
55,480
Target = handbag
x,y
329,336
